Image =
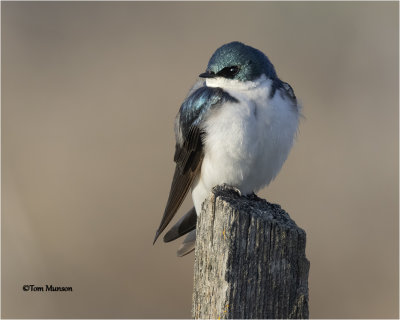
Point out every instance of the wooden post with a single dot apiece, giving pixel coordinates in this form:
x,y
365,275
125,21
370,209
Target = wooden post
x,y
249,261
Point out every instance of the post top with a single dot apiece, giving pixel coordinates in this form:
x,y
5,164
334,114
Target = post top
x,y
255,205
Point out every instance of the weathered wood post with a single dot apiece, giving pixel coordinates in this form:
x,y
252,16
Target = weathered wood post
x,y
249,261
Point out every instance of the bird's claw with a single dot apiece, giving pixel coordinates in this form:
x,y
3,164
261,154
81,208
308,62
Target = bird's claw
x,y
232,188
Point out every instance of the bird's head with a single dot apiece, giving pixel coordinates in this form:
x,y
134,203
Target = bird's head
x,y
238,61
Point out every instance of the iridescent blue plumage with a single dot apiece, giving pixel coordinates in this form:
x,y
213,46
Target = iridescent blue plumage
x,y
189,146
196,106
252,63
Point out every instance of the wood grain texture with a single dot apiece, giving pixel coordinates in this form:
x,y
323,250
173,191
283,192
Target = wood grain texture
x,y
249,261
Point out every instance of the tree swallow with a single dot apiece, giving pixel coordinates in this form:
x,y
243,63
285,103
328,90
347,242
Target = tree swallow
x,y
236,127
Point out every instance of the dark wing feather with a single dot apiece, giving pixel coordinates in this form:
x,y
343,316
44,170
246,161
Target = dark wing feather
x,y
188,160
189,147
284,88
289,91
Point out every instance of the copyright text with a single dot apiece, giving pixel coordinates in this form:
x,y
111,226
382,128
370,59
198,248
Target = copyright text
x,y
46,288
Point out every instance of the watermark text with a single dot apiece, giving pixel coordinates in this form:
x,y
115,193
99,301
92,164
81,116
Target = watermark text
x,y
45,288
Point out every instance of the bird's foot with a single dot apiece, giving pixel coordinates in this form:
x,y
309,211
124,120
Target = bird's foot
x,y
232,188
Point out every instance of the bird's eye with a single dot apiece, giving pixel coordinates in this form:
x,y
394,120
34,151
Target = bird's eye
x,y
228,72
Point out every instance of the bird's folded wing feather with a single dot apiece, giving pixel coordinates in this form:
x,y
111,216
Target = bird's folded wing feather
x,y
189,145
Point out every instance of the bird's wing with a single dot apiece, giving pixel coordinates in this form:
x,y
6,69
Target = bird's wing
x,y
289,91
189,145
285,90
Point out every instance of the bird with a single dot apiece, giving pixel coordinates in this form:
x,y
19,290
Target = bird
x,y
236,127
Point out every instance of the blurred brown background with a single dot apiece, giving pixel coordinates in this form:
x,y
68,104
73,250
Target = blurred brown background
x,y
89,95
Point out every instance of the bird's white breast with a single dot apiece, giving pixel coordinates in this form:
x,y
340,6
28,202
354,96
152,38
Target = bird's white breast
x,y
246,143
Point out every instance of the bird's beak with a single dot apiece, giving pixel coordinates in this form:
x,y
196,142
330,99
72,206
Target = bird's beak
x,y
207,74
